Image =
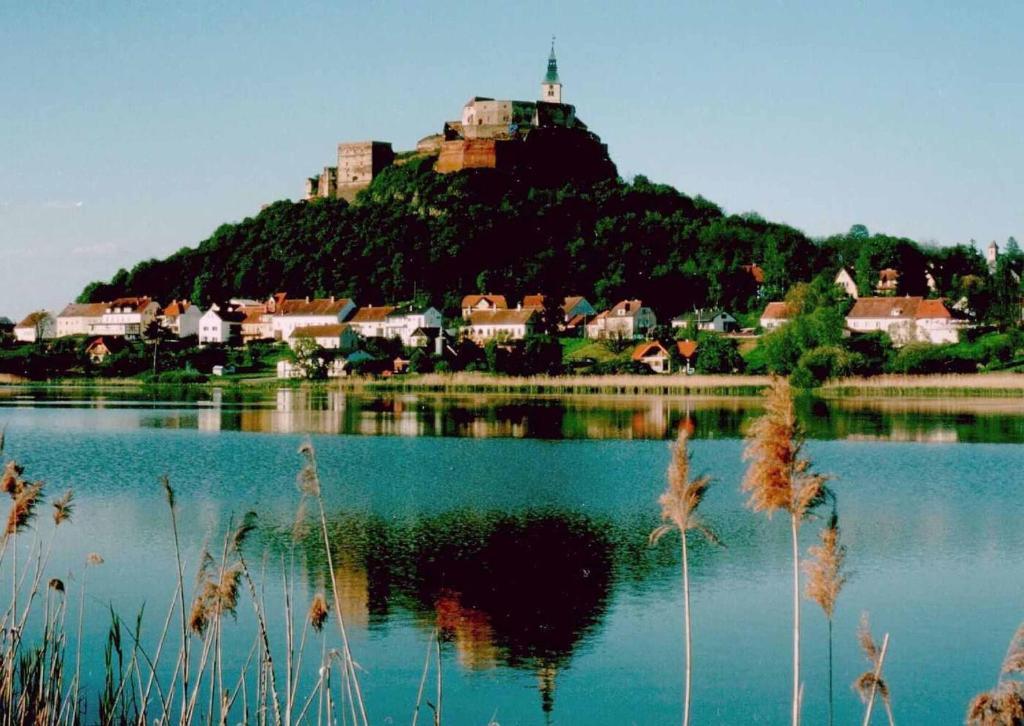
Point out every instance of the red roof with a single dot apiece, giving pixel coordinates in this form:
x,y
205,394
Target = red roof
x,y
686,348
500,317
319,306
320,331
496,301
629,308
371,314
645,350
777,311
176,308
898,307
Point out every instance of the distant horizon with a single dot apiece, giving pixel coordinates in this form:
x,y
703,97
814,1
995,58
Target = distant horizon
x,y
139,131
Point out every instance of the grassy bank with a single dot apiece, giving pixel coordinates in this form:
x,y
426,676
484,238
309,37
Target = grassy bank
x,y
965,385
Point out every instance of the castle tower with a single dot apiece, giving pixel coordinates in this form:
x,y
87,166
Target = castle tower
x,y
551,87
992,256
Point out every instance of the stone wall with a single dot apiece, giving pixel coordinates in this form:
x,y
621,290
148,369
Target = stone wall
x,y
359,163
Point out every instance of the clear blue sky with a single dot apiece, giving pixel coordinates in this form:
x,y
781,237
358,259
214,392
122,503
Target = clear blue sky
x,y
131,129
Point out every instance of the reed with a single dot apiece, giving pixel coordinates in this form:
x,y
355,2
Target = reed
x,y
825,579
679,504
779,478
871,683
1004,704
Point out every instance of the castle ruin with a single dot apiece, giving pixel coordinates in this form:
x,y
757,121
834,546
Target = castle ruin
x,y
543,138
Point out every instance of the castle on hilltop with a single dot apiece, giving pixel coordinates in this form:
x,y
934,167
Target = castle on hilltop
x,y
543,138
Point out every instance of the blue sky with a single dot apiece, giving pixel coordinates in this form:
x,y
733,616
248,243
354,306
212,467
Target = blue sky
x,y
131,129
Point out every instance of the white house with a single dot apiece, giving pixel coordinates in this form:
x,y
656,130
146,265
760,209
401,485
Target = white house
x,y
181,318
503,324
291,314
905,319
220,326
78,319
404,322
775,315
337,336
474,303
626,319
845,280
654,356
127,317
36,326
371,321
713,320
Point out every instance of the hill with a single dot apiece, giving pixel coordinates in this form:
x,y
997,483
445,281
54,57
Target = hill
x,y
415,234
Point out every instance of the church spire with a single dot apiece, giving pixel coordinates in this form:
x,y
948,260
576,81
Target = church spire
x,y
551,86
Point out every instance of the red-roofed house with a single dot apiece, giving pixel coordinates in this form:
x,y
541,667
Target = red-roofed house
x,y
36,326
653,355
473,303
905,319
78,318
776,314
181,318
291,314
504,324
127,317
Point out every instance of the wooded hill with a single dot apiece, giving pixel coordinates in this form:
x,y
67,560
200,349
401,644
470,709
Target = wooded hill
x,y
418,235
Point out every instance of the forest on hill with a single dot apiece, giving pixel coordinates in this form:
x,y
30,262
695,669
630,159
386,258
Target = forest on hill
x,y
415,235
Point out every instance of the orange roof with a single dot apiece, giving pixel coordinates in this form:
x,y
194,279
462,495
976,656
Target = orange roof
x,y
756,272
33,319
932,309
320,331
318,306
777,311
686,348
496,301
176,308
888,275
644,350
371,314
630,307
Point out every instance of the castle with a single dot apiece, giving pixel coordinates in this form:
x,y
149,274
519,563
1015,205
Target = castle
x,y
543,138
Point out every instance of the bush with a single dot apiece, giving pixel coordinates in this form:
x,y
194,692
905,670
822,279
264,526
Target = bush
x,y
822,364
717,354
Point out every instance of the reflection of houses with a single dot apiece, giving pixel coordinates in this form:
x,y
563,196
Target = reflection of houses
x,y
904,319
775,315
707,319
627,319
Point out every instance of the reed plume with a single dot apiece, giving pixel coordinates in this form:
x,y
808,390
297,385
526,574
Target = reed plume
x,y
825,579
1004,704
24,508
871,682
679,503
779,478
63,507
10,480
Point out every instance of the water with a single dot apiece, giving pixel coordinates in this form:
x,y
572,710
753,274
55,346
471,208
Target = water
x,y
520,528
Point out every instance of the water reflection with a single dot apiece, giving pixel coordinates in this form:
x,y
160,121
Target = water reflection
x,y
321,411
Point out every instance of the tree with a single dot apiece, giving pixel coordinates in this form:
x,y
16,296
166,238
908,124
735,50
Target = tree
x,y
717,354
310,358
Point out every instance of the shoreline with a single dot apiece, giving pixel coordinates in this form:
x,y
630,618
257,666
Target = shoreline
x,y
980,385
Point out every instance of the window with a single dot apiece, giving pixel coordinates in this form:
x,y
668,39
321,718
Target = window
x,y
551,91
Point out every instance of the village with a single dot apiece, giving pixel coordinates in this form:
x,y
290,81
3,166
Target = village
x,y
331,337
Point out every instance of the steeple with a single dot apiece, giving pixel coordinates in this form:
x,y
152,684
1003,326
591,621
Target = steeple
x,y
551,87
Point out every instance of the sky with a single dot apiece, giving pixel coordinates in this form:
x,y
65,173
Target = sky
x,y
129,129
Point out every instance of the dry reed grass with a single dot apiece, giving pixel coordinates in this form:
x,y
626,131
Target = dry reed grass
x,y
1009,384
1004,704
825,580
871,683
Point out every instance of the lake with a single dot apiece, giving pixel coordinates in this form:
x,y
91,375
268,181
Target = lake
x,y
519,527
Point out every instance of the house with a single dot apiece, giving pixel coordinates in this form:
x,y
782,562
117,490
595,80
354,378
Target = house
x,y
127,317
291,314
473,303
336,336
220,326
502,324
403,322
36,326
6,328
708,319
845,280
775,315
258,323
79,319
626,319
888,281
905,319
181,318
653,355
100,348
371,321
576,310
687,350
